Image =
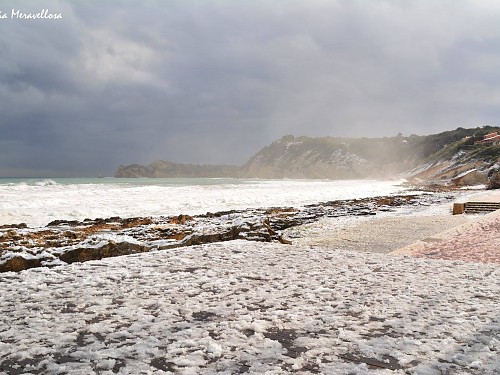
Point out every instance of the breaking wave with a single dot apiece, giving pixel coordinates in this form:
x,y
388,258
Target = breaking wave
x,y
45,183
30,182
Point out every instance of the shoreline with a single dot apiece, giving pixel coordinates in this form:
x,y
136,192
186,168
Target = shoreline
x,y
64,242
39,203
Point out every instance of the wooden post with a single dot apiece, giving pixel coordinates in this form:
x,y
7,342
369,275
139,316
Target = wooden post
x,y
458,208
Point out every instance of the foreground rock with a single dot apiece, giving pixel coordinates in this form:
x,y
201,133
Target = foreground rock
x,y
65,242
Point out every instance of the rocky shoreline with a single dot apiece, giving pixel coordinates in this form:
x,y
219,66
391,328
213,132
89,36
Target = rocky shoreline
x,y
65,242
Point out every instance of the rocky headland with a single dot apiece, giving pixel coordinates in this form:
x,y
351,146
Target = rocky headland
x,y
162,169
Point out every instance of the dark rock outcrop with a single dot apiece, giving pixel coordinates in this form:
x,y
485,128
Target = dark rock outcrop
x,y
494,180
19,263
111,249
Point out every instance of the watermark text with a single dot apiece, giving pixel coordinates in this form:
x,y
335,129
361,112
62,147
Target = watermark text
x,y
17,14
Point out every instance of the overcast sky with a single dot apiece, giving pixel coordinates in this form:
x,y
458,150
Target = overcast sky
x,y
121,82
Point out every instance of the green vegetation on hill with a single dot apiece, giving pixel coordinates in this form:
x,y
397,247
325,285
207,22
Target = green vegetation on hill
x,y
485,152
448,143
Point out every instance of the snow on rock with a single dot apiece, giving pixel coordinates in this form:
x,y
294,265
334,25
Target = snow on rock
x,y
346,159
242,307
72,241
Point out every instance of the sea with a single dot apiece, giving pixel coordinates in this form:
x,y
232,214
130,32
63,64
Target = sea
x,y
38,201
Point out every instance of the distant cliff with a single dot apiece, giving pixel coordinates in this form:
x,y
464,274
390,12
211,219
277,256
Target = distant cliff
x,y
437,157
162,168
326,157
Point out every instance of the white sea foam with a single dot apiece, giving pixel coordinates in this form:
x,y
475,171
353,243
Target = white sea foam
x,y
39,203
45,183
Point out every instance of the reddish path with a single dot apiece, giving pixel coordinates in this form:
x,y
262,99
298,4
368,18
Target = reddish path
x,y
474,242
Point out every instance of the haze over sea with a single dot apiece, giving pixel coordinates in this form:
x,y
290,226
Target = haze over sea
x,y
38,201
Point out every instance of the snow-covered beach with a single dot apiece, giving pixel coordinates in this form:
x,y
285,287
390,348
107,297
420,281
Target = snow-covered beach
x,y
241,307
333,302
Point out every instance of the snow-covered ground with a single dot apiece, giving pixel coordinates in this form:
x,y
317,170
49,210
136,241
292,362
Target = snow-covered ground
x,y
242,307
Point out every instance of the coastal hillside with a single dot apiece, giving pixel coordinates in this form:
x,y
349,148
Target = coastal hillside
x,y
437,157
303,157
470,160
329,157
345,158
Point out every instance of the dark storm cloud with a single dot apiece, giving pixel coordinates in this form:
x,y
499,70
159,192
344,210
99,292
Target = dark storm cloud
x,y
213,81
